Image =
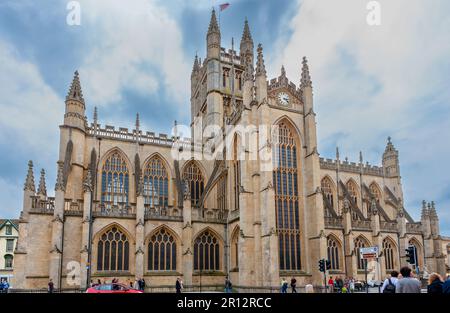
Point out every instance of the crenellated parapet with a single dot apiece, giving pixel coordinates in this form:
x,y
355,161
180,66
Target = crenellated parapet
x,y
351,167
283,82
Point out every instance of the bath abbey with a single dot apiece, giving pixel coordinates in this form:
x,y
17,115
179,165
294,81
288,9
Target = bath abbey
x,y
245,194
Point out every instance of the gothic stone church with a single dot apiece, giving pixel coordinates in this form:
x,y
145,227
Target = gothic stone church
x,y
126,207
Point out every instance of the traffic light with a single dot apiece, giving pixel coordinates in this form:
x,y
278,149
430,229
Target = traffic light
x,y
322,266
328,264
411,255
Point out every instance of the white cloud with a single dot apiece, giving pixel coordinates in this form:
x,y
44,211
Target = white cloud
x,y
373,81
31,110
137,46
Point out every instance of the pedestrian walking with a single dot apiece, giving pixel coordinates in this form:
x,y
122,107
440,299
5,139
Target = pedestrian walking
x,y
435,284
142,284
339,284
136,284
293,285
284,285
228,285
390,284
331,284
51,286
352,285
178,285
407,284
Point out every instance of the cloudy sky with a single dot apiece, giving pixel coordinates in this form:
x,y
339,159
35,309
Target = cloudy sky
x,y
370,82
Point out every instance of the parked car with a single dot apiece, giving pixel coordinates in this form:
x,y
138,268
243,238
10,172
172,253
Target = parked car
x,y
111,288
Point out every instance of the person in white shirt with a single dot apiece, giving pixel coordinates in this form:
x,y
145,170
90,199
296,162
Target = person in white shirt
x,y
393,280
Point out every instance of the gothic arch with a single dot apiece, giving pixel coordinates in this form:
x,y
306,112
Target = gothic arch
x,y
207,228
329,191
376,191
390,253
111,225
334,252
102,188
113,249
235,248
156,178
415,242
111,151
288,182
354,190
208,250
360,242
286,119
198,164
169,168
162,249
197,181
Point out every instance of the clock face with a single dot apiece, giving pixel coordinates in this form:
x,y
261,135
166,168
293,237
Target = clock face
x,y
283,98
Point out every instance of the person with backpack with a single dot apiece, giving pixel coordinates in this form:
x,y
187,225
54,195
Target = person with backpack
x,y
446,285
390,284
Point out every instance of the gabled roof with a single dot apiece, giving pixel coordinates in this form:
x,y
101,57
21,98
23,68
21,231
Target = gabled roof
x,y
14,223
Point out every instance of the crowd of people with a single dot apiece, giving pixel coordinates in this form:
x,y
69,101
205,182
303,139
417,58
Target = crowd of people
x,y
405,282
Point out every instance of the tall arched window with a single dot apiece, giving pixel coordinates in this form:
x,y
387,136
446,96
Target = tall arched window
x,y
9,261
236,174
222,193
389,254
235,249
360,243
327,190
193,180
115,180
206,252
375,191
113,251
156,181
285,178
415,243
352,191
162,251
333,248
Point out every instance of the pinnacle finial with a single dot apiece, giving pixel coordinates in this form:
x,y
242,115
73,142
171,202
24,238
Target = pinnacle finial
x,y
213,25
75,92
246,35
306,77
360,157
337,153
283,71
95,115
196,66
260,67
29,181
60,178
137,121
42,189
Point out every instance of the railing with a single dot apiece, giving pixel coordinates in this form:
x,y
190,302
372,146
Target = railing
x,y
333,222
72,207
358,224
163,213
40,205
414,228
388,226
110,209
209,215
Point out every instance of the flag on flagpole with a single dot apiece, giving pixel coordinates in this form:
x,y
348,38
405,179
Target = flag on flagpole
x,y
224,6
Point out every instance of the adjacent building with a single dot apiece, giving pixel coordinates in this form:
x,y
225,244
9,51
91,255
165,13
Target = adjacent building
x,y
9,232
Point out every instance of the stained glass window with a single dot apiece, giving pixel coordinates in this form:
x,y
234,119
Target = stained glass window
x,y
156,182
162,251
113,251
